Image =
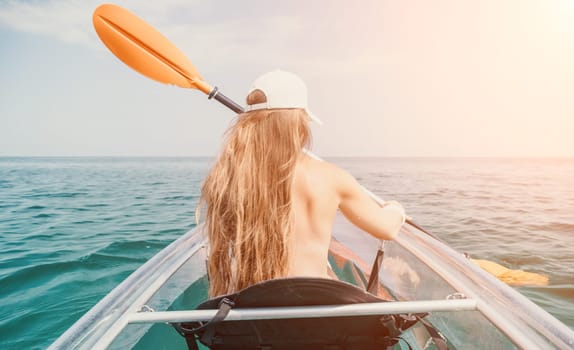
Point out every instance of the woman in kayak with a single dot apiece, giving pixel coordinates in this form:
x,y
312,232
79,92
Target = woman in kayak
x,y
271,207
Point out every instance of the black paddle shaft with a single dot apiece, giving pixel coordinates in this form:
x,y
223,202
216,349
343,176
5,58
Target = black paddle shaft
x,y
226,101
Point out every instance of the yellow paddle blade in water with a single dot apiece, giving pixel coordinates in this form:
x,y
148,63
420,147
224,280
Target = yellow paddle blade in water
x,y
512,277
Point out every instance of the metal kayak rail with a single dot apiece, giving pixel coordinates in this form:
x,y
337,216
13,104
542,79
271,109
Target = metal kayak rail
x,y
288,312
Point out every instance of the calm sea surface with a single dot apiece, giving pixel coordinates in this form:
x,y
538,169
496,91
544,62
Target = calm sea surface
x,y
73,228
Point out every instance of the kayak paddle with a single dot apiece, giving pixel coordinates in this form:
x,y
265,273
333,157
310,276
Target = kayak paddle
x,y
148,52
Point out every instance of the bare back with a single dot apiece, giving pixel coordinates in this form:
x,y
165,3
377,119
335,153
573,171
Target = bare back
x,y
315,204
320,189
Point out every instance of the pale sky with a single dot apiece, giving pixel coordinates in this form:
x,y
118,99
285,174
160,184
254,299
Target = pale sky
x,y
388,78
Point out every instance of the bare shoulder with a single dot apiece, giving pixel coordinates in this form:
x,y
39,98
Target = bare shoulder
x,y
331,173
320,166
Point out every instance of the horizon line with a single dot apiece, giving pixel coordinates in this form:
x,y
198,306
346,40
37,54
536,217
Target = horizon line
x,y
324,156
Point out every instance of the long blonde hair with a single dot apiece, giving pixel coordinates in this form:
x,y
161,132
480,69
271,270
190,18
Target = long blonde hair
x,y
248,197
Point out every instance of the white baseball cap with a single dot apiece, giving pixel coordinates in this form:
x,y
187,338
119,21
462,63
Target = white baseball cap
x,y
282,90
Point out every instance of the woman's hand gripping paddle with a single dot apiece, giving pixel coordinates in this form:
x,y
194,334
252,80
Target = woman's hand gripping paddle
x,y
148,52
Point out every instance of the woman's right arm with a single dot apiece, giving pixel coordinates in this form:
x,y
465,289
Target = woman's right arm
x,y
381,222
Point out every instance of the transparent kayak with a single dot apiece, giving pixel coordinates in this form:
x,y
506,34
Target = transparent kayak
x,y
469,307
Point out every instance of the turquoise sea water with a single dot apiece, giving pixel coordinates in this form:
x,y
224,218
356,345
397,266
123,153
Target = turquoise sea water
x,y
73,228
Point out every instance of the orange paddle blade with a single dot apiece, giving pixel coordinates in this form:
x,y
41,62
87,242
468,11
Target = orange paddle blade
x,y
144,49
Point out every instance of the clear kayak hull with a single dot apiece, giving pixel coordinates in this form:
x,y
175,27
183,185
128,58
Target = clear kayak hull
x,y
415,267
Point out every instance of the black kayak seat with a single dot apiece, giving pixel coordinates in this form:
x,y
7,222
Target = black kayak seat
x,y
329,333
